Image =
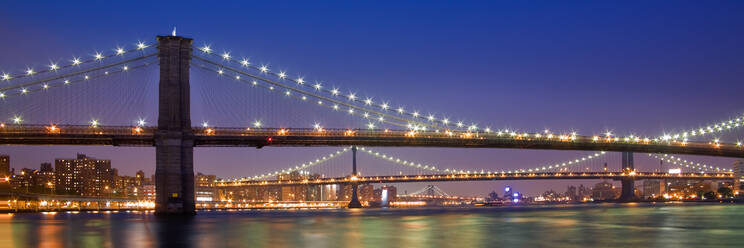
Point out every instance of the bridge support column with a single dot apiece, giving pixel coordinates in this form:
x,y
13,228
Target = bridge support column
x,y
174,139
628,184
354,186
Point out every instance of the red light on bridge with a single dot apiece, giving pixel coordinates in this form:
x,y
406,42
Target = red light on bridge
x,y
269,139
52,129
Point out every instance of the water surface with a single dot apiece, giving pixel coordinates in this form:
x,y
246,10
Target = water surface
x,y
608,225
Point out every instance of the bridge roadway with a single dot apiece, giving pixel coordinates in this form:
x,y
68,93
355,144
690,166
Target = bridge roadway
x,y
248,137
479,177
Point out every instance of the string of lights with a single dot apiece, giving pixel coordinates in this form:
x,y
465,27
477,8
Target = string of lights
x,y
454,171
332,104
122,65
419,120
302,166
76,61
688,163
425,120
46,85
719,127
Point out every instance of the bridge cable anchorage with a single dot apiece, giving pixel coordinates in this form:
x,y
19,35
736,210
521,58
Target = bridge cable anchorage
x,y
303,166
688,163
84,73
382,117
383,106
97,57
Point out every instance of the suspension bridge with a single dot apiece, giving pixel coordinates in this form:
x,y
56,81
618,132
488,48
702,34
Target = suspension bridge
x,y
383,125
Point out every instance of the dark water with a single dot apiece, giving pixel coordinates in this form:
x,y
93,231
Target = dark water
x,y
660,225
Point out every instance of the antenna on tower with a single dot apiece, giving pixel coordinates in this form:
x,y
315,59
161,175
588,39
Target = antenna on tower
x,y
174,31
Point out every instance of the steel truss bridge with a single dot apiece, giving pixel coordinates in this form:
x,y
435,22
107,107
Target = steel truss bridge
x,y
174,137
482,177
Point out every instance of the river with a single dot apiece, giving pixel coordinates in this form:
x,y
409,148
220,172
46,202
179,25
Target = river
x,y
593,225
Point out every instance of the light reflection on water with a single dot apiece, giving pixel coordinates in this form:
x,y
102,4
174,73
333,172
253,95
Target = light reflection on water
x,y
661,225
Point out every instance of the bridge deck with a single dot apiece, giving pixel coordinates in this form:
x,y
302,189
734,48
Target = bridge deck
x,y
216,137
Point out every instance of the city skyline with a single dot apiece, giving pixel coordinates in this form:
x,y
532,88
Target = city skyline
x,y
419,71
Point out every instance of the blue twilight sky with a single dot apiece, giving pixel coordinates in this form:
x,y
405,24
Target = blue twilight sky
x,y
642,67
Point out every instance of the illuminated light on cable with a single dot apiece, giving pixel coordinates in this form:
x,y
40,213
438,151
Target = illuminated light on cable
x,y
94,123
304,98
368,101
317,86
76,61
257,124
335,106
53,67
17,119
271,87
29,71
351,111
254,82
141,46
125,68
300,80
371,125
226,56
244,62
67,82
120,51
86,77
366,115
320,102
263,69
98,56
206,49
335,91
6,76
385,106
474,127
2,95
24,91
351,96
141,122
237,77
459,124
220,71
45,86
205,124
415,114
445,121
430,117
282,75
400,110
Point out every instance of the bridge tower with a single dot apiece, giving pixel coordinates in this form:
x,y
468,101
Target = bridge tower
x,y
628,184
354,196
174,139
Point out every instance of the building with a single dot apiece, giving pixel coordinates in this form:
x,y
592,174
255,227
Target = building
x,y
604,191
204,187
653,188
84,176
4,166
738,175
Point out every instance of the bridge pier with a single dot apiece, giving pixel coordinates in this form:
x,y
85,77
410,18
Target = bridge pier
x,y
355,203
628,184
174,138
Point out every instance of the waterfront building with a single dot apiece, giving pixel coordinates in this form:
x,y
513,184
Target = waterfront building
x,y
653,188
83,176
604,191
738,175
